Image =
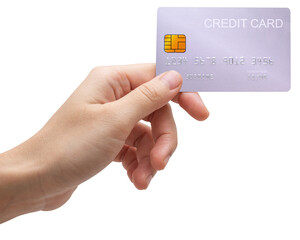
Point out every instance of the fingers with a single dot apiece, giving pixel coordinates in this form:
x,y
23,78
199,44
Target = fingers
x,y
165,137
109,83
141,138
192,103
139,74
129,160
148,97
153,148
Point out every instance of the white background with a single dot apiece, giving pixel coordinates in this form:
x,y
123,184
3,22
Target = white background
x,y
234,176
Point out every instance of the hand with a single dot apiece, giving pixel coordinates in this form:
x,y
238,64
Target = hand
x,y
98,124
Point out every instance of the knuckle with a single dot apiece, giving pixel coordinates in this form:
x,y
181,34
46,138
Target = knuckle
x,y
172,139
175,145
96,69
145,135
149,92
99,70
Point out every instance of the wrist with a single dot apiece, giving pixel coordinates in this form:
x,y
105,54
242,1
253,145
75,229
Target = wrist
x,y
20,188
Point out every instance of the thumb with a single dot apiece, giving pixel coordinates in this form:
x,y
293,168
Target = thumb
x,y
149,97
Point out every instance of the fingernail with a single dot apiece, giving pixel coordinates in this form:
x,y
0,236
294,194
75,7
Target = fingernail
x,y
149,178
166,160
172,78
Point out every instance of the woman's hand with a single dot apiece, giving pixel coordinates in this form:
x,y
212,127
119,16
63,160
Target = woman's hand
x,y
98,124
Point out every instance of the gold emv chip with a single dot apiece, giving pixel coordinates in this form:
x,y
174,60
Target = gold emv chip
x,y
175,43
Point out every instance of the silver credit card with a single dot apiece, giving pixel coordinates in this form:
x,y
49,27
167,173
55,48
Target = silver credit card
x,y
225,49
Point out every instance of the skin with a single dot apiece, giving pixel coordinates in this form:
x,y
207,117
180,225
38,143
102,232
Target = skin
x,y
98,124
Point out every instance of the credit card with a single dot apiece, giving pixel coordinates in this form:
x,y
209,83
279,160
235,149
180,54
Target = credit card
x,y
225,49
